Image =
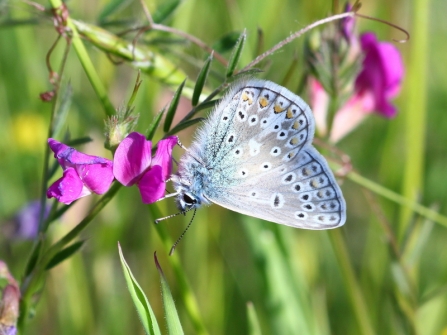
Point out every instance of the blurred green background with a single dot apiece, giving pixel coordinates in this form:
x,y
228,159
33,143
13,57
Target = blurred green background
x,y
298,281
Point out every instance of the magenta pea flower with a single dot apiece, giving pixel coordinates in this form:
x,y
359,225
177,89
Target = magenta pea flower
x,y
133,164
378,81
83,174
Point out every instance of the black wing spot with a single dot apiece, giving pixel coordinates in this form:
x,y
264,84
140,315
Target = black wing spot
x,y
276,201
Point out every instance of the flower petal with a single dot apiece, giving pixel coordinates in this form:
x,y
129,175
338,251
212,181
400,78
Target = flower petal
x,y
152,186
319,101
381,74
163,156
70,157
68,188
132,158
97,177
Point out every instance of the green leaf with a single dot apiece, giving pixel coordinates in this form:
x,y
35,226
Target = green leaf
x,y
111,7
33,258
139,299
64,254
62,111
172,319
253,323
173,107
241,75
154,125
226,42
165,10
201,81
184,125
234,59
202,106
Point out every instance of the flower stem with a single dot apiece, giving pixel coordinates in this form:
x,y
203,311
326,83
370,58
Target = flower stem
x,y
86,62
397,198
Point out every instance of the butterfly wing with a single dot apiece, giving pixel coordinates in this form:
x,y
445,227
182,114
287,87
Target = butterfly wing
x,y
257,148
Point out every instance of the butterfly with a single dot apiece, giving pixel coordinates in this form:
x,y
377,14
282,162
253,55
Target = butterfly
x,y
254,155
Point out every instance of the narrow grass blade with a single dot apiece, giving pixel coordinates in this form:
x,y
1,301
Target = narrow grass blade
x,y
234,59
139,299
415,110
33,258
173,107
64,254
112,7
172,319
226,42
62,111
253,323
154,125
201,106
165,10
201,79
184,125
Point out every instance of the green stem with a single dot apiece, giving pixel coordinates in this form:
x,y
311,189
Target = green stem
x,y
86,62
352,286
31,284
415,109
397,198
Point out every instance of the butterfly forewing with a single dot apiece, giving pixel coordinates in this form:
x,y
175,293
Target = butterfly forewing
x,y
256,147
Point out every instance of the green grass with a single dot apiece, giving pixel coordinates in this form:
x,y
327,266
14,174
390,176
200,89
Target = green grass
x,y
384,272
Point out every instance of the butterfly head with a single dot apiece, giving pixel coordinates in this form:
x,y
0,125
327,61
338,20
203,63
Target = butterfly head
x,y
190,182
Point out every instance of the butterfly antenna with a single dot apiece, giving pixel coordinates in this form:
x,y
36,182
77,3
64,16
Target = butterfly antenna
x,y
157,221
181,145
183,234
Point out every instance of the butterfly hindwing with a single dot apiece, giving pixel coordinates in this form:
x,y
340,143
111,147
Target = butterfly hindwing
x,y
255,157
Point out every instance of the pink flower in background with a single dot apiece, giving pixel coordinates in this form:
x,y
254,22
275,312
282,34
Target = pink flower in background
x,y
378,81
83,174
133,164
381,75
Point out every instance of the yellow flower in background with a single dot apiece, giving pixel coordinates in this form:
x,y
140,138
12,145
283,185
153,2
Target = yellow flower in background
x,y
29,131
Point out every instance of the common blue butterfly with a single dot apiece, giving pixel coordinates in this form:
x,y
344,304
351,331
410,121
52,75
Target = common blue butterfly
x,y
254,155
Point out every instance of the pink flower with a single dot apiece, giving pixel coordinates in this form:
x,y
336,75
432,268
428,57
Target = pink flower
x,y
378,81
83,174
381,74
133,164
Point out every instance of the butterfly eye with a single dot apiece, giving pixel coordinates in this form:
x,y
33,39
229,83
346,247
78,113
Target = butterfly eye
x,y
188,200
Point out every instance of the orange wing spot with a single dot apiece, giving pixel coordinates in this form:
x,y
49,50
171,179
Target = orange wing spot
x,y
263,102
294,141
278,109
289,114
296,125
291,154
245,96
